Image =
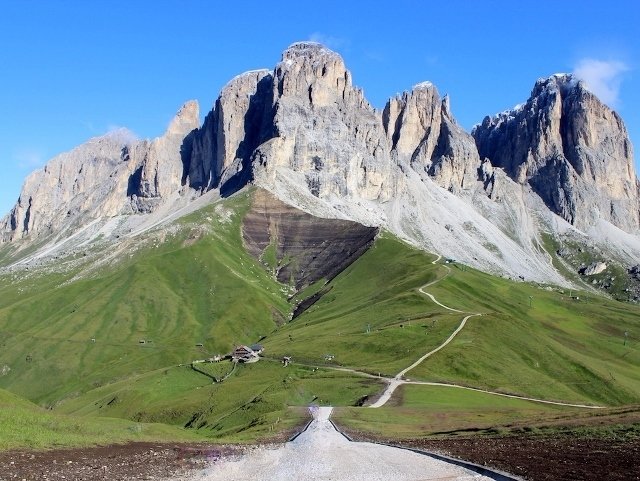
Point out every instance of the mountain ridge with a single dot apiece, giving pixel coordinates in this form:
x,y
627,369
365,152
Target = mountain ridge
x,y
307,135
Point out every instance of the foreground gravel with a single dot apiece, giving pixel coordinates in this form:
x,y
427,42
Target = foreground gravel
x,y
321,453
128,462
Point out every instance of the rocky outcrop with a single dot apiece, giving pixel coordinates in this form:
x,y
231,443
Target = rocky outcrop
x,y
593,268
92,177
571,149
238,123
161,171
422,132
324,129
107,176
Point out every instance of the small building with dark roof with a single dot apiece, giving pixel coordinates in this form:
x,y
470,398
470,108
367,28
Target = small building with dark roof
x,y
245,354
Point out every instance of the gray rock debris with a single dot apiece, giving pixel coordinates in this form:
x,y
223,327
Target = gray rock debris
x,y
593,269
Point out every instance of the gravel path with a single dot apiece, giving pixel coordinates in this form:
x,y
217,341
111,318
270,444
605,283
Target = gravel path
x,y
321,453
397,380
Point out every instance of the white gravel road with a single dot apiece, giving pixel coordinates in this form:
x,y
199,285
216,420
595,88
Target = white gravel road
x,y
323,454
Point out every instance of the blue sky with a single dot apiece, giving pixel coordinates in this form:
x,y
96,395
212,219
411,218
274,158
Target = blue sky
x,y
71,70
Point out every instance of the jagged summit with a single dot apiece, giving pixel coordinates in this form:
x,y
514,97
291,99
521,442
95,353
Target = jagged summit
x,y
425,85
187,117
304,132
307,49
121,134
563,83
572,149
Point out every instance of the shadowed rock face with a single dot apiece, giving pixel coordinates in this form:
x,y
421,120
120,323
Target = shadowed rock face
x,y
307,248
572,150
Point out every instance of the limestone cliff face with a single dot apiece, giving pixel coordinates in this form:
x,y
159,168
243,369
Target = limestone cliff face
x,y
324,129
72,184
104,177
238,123
421,131
305,118
571,148
304,126
161,171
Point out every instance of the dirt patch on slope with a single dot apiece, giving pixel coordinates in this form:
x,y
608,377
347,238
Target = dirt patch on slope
x,y
306,248
612,454
548,458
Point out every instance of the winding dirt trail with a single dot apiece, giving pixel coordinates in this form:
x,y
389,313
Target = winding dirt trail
x,y
394,382
398,380
493,393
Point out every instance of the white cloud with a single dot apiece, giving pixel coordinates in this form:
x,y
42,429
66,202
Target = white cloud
x,y
602,77
121,133
328,40
29,159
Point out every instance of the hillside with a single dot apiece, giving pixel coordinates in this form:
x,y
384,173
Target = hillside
x,y
25,425
193,282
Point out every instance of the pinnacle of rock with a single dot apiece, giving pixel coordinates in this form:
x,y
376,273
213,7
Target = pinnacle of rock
x,y
186,119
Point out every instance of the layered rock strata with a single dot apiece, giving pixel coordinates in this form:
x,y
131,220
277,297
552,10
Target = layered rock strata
x,y
305,248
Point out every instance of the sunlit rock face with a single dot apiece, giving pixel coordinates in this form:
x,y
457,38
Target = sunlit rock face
x,y
573,150
302,131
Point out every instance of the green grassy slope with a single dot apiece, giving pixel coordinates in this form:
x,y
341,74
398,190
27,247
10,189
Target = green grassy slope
x,y
418,411
25,425
556,349
376,294
198,286
538,342
256,401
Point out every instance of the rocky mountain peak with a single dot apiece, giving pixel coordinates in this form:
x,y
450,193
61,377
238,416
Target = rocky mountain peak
x,y
559,82
572,149
312,72
422,132
304,132
307,49
186,119
120,135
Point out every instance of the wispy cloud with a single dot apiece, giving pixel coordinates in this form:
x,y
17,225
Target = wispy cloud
x,y
602,77
374,55
329,40
29,159
121,133
432,60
